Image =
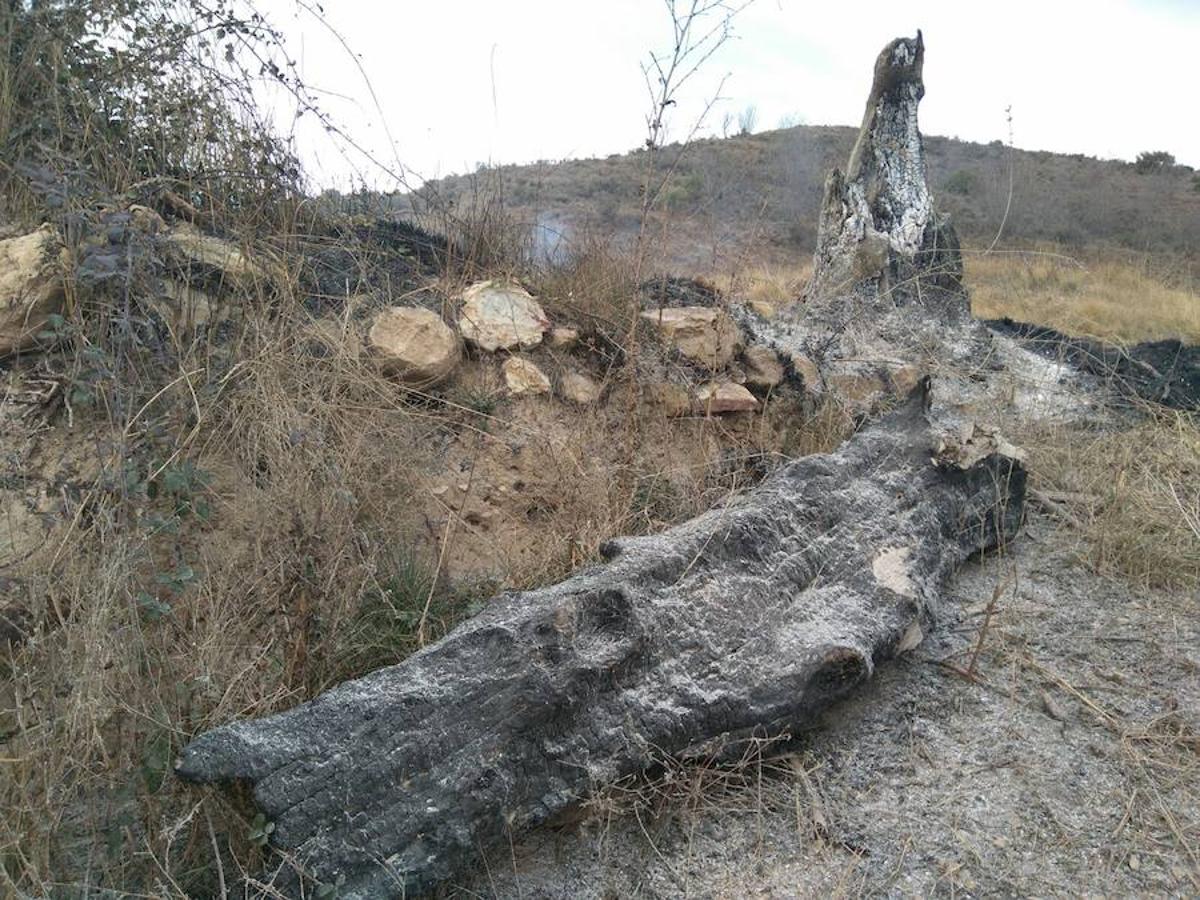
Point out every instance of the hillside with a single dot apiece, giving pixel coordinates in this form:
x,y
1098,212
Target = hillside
x,y
766,188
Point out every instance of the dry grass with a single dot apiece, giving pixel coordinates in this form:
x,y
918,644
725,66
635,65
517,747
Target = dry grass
x,y
773,286
1115,298
1135,493
268,526
240,521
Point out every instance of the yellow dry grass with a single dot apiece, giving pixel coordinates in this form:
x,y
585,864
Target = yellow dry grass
x,y
1108,297
774,286
1131,496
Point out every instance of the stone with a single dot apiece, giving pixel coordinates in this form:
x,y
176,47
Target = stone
x,y
672,400
702,334
578,388
762,366
413,344
198,254
725,397
523,377
809,372
31,288
563,338
498,316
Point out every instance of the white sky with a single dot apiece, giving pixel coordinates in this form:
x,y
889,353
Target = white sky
x,y
461,82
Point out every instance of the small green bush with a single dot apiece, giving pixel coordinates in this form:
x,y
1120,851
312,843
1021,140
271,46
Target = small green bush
x,y
961,182
1153,161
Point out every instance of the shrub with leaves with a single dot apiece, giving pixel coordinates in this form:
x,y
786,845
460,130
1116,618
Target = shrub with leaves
x,y
1153,161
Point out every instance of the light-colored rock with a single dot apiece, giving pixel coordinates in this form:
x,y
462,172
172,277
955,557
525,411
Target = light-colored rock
x,y
808,371
763,308
563,338
762,365
578,388
329,337
413,344
192,247
31,288
725,397
702,334
523,377
672,400
497,316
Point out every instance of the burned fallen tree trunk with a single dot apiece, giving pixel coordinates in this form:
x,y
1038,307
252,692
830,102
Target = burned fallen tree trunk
x,y
745,620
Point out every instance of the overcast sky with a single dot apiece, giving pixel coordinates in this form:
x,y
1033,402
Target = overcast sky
x,y
461,82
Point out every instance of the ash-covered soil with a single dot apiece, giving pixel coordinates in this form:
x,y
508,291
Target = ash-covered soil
x,y
1165,372
1066,766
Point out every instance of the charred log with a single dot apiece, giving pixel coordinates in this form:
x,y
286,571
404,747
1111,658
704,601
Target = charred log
x,y
748,619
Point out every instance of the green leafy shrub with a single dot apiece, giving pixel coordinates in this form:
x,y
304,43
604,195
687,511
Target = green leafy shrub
x,y
1153,161
961,182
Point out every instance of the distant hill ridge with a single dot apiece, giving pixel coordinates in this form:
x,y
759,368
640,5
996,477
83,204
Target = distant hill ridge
x,y
771,183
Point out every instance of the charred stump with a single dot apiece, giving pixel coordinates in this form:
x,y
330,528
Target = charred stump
x,y
878,227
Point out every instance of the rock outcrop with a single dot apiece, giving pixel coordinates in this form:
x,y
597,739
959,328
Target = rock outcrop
x,y
31,288
497,316
413,344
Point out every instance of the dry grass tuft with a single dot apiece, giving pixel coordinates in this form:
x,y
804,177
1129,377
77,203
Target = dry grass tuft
x,y
1113,298
775,286
1136,493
